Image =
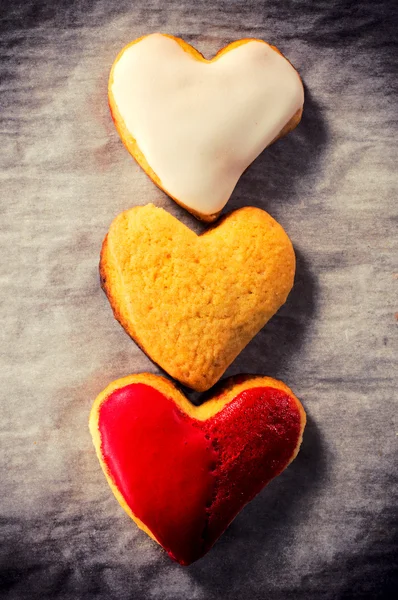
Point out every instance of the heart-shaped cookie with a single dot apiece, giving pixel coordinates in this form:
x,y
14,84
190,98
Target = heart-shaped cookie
x,y
192,303
194,125
184,472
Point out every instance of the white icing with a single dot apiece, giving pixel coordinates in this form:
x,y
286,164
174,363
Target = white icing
x,y
200,124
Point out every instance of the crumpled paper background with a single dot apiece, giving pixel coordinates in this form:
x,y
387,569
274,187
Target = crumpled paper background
x,y
326,528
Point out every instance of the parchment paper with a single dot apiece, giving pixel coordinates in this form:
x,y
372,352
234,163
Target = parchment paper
x,y
326,528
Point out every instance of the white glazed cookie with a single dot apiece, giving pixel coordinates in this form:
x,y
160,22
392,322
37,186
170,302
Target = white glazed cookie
x,y
194,125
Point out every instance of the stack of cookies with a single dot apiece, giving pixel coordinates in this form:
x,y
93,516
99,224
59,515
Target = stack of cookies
x,y
192,303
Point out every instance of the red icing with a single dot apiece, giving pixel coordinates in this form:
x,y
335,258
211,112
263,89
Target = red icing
x,y
187,479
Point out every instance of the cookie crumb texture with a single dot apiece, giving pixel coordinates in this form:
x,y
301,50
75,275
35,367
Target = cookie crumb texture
x,y
183,476
192,303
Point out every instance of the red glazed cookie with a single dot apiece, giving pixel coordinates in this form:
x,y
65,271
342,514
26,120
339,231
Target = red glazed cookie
x,y
183,472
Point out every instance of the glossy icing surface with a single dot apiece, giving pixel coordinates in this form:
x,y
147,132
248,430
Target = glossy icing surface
x,y
200,124
153,450
186,479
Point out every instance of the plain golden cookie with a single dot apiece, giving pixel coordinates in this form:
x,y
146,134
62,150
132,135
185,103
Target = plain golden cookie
x,y
192,303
